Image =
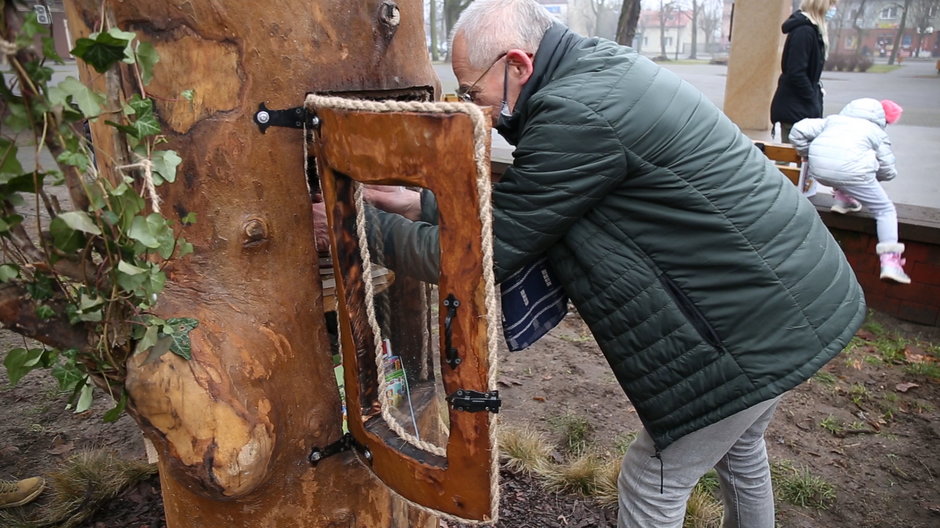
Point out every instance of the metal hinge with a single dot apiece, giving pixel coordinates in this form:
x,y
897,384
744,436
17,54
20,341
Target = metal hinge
x,y
345,443
291,118
475,401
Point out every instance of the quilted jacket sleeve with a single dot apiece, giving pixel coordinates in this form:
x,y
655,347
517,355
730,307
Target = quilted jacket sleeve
x,y
886,169
568,160
804,132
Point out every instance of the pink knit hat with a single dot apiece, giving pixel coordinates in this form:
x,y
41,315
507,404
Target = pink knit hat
x,y
892,111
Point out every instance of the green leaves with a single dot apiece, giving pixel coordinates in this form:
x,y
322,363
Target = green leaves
x,y
164,165
103,50
71,90
21,361
118,245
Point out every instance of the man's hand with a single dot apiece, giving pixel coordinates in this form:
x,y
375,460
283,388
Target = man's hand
x,y
394,199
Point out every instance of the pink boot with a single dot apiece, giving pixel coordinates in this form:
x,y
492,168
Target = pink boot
x,y
892,265
843,203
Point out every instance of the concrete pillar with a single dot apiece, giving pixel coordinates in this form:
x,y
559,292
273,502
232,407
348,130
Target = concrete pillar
x,y
754,63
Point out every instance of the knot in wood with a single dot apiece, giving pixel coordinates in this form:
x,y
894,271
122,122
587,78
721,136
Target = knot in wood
x,y
390,15
256,232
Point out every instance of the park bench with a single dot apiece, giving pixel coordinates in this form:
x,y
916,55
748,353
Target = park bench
x,y
786,157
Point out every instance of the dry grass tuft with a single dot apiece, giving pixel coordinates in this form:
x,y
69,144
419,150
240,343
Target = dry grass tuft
x,y
703,510
84,483
523,450
580,475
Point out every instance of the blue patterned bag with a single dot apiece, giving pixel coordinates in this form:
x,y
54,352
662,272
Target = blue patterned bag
x,y
533,303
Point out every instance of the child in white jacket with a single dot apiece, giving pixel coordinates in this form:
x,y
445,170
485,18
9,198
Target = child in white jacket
x,y
851,153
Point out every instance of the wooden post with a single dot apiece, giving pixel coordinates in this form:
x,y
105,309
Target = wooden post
x,y
754,63
233,426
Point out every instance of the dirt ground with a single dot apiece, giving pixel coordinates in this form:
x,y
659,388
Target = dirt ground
x,y
868,427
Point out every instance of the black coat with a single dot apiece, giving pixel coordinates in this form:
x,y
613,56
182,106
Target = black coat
x,y
799,92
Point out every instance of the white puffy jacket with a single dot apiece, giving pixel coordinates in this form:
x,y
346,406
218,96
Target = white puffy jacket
x,y
849,148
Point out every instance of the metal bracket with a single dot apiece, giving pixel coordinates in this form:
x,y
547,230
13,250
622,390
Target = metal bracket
x,y
451,303
345,443
475,401
290,118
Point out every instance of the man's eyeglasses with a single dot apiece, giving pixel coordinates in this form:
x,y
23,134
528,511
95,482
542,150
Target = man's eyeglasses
x,y
467,95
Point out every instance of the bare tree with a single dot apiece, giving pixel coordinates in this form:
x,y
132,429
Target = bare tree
x,y
433,30
627,22
921,20
696,11
710,19
665,13
900,33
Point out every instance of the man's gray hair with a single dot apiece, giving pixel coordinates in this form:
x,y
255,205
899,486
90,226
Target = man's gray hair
x,y
492,27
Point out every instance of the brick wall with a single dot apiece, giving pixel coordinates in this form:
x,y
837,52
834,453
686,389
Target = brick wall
x,y
919,230
919,301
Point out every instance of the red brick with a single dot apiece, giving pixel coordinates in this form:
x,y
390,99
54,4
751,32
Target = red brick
x,y
882,304
924,272
915,292
915,251
918,313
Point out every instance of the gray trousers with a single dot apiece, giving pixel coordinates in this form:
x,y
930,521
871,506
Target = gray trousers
x,y
733,446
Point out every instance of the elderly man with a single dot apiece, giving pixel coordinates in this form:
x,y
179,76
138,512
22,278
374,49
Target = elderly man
x,y
709,283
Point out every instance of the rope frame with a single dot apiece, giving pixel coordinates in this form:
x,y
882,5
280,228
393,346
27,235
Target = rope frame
x,y
484,192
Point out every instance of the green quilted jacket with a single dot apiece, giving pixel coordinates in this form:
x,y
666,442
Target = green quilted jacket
x,y
708,281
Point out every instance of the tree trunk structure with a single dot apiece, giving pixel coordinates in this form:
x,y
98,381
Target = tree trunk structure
x,y
234,425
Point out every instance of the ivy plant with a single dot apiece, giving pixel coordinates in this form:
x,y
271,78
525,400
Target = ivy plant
x,y
98,266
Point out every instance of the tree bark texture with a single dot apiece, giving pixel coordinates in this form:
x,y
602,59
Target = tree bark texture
x,y
626,24
234,425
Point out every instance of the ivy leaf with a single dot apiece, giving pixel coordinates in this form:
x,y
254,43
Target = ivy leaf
x,y
75,159
80,221
8,272
143,231
85,397
146,126
44,312
20,361
148,340
100,50
178,329
128,37
146,58
189,219
188,94
64,237
116,412
164,165
9,165
89,102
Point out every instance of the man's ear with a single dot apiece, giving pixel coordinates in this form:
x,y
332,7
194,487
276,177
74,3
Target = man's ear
x,y
520,64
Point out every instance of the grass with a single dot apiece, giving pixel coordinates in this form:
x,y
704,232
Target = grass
x,y
523,450
798,486
83,484
883,68
575,431
833,425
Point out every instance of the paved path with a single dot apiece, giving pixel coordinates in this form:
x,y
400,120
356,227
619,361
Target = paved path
x,y
916,139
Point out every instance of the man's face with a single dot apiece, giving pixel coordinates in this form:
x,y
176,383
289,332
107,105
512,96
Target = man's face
x,y
485,85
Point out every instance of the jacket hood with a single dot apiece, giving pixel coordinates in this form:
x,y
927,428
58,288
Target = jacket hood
x,y
866,108
796,20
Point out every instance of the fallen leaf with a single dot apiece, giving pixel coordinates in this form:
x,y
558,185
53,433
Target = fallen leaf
x,y
915,354
866,335
506,381
538,398
904,387
60,446
546,378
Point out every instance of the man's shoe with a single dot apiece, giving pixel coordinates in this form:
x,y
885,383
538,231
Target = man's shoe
x,y
843,203
14,493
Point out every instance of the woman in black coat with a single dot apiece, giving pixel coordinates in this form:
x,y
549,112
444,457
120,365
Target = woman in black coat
x,y
799,93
